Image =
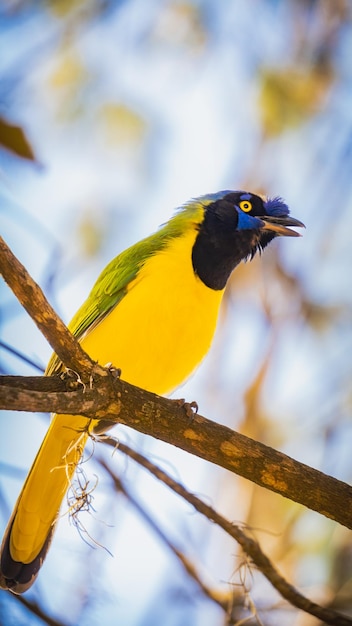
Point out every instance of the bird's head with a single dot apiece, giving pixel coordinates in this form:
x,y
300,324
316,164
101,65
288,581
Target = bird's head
x,y
235,225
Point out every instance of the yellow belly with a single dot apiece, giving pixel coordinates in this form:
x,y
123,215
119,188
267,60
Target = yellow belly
x,y
163,327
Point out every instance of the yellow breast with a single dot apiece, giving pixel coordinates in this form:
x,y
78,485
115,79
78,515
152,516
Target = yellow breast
x,y
163,327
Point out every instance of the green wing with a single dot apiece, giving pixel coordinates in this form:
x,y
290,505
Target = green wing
x,y
111,285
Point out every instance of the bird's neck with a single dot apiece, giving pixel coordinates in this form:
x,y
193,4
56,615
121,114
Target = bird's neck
x,y
215,257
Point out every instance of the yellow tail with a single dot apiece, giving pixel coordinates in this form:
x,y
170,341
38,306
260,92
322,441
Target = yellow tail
x,y
30,528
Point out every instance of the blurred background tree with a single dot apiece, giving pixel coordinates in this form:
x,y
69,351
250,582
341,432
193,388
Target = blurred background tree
x,y
111,114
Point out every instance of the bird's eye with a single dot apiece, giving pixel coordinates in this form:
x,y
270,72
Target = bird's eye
x,y
245,206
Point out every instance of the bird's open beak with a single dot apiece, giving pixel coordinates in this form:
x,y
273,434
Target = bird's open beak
x,y
279,225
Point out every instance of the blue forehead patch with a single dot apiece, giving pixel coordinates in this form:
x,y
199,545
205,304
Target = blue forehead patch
x,y
246,196
276,207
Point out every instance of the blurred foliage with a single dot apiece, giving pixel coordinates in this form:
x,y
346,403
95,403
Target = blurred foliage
x,y
180,25
121,125
90,233
289,96
67,80
133,107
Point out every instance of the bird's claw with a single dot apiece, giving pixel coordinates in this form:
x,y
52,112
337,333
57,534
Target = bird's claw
x,y
190,408
114,371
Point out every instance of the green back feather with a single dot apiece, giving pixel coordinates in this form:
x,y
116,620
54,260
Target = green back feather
x,y
111,286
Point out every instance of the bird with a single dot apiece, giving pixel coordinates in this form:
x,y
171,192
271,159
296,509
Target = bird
x,y
152,313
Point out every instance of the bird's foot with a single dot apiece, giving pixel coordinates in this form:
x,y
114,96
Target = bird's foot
x,y
114,371
190,408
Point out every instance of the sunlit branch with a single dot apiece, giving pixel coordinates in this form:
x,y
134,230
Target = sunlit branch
x,y
115,401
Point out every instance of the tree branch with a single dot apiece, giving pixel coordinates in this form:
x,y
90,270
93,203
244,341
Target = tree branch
x,y
115,401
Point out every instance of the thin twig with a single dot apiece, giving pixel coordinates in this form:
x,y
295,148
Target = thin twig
x,y
21,356
37,610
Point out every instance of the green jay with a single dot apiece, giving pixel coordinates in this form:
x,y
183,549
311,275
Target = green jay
x,y
152,313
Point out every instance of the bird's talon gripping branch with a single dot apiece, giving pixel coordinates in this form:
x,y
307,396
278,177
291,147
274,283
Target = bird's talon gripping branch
x,y
153,310
190,408
114,371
